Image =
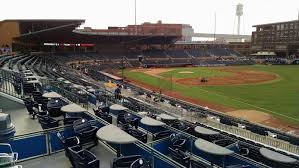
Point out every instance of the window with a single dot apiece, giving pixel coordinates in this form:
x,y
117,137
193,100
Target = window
x,y
277,27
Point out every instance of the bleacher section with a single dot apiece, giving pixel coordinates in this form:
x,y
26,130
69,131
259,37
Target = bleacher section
x,y
172,144
154,54
177,54
197,53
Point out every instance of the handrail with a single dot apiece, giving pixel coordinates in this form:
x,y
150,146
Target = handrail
x,y
286,146
104,122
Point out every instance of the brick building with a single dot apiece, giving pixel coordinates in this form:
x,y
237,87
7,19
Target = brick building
x,y
281,38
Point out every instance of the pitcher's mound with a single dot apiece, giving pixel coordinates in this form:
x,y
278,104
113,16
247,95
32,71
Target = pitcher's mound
x,y
250,115
186,72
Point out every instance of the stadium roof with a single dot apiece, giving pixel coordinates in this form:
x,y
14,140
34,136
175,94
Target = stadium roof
x,y
43,20
66,33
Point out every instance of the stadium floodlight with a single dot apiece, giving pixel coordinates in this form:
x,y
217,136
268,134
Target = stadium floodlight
x,y
239,13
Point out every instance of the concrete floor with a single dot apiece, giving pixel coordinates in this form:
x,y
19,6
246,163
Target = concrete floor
x,y
19,116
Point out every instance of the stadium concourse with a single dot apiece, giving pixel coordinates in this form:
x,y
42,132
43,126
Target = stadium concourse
x,y
65,93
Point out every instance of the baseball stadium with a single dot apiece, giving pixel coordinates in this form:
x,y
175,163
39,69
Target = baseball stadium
x,y
147,96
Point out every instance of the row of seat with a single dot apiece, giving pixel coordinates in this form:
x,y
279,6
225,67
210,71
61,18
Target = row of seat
x,y
129,123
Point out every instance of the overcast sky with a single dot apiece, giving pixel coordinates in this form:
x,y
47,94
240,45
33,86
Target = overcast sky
x,y
198,13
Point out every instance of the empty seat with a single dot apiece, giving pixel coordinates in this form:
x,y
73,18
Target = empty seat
x,y
199,164
83,158
125,161
104,115
70,120
141,136
7,156
177,142
160,135
85,131
68,142
48,122
141,163
179,156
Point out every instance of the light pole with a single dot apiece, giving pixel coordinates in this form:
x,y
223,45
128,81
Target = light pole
x,y
135,12
135,8
122,69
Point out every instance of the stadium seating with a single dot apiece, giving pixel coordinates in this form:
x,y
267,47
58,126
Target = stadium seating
x,y
160,135
124,161
218,52
196,164
154,54
103,115
197,53
67,143
179,156
177,54
137,134
83,158
85,132
9,158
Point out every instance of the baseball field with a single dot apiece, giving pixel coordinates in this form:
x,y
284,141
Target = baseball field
x,y
265,94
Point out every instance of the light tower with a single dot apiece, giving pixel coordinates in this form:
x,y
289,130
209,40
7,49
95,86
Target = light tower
x,y
239,13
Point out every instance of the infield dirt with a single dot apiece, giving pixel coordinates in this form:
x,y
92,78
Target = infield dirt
x,y
238,77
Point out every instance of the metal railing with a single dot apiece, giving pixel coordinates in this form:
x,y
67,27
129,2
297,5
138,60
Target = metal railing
x,y
243,133
11,83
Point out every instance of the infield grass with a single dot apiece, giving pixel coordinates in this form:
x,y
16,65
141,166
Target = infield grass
x,y
195,72
279,98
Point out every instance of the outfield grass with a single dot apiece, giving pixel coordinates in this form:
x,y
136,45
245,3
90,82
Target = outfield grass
x,y
196,73
280,98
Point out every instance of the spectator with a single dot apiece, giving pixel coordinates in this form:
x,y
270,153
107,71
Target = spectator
x,y
117,92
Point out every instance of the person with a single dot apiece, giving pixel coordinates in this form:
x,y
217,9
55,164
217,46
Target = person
x,y
160,94
117,93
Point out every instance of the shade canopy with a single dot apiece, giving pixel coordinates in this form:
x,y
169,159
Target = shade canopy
x,y
151,122
205,131
212,148
28,73
72,108
115,135
277,157
117,107
52,95
166,117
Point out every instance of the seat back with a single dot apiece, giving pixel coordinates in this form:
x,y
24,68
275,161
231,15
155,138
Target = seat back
x,y
179,156
140,163
9,158
161,134
74,154
121,118
86,159
81,125
6,160
125,161
198,164
138,134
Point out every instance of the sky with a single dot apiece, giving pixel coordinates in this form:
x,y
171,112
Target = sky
x,y
200,14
